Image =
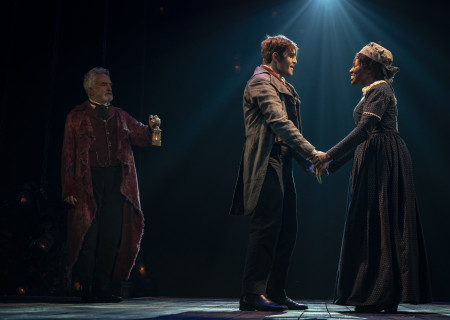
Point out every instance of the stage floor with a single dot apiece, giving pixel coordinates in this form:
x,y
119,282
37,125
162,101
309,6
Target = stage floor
x,y
180,308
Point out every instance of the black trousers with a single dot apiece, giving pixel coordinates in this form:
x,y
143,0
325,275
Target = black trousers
x,y
273,229
97,256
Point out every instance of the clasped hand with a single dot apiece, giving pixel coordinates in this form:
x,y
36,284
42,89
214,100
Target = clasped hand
x,y
320,161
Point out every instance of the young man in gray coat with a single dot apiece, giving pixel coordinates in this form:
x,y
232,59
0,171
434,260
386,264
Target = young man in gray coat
x,y
265,188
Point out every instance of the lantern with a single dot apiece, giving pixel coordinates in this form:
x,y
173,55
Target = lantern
x,y
156,136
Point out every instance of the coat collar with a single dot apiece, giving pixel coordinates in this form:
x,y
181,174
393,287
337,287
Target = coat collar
x,y
279,86
83,111
86,106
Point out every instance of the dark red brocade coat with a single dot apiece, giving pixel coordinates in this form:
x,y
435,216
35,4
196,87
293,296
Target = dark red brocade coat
x,y
76,181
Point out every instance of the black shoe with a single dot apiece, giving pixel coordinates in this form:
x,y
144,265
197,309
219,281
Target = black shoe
x,y
291,304
368,309
109,298
89,299
87,295
259,302
392,308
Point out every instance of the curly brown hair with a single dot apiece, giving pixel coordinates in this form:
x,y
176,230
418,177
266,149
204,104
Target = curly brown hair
x,y
279,44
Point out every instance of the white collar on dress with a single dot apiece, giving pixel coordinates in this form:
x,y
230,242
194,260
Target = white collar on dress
x,y
367,88
373,84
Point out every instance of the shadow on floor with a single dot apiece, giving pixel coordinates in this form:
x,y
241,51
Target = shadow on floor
x,y
196,315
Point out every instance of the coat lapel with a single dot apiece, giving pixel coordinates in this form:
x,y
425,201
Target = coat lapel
x,y
279,86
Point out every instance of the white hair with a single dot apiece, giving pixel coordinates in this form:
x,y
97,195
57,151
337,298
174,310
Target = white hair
x,y
90,76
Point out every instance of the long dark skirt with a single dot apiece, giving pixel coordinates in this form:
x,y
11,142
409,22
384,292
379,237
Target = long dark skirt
x,y
383,259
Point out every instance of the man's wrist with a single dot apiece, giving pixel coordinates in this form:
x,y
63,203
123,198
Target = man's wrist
x,y
314,152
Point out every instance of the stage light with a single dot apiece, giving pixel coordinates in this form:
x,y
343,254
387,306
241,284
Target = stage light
x,y
327,1
24,197
328,5
45,243
77,286
21,290
141,268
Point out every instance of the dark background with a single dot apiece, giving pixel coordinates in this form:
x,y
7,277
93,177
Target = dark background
x,y
188,62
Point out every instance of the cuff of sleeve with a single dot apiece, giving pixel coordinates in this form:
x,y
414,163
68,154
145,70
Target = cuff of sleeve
x,y
372,114
69,191
332,166
332,154
313,153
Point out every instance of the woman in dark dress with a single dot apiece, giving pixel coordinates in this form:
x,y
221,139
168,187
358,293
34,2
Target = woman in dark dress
x,y
383,260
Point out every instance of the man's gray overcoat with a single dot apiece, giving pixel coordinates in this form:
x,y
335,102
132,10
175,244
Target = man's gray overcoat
x,y
268,106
